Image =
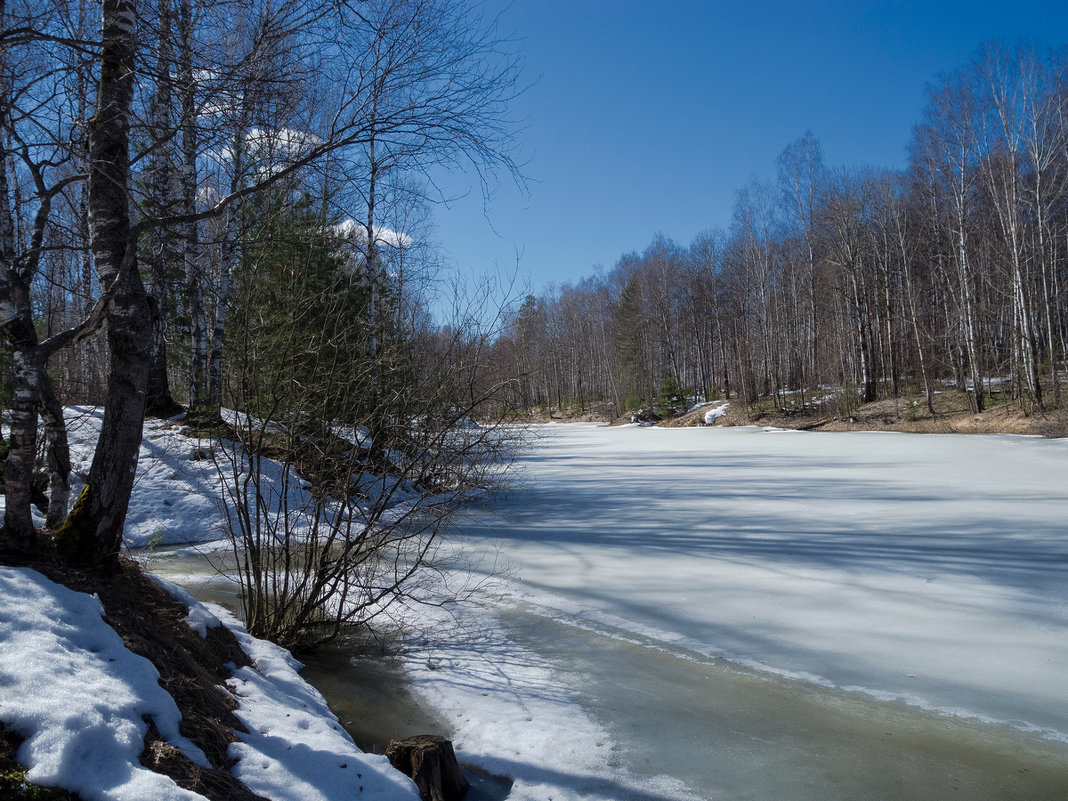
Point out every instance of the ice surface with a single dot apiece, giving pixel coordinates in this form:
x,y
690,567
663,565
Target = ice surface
x,y
928,571
512,715
929,567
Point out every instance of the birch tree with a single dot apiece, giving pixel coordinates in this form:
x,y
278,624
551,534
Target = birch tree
x,y
1007,94
93,530
24,88
947,149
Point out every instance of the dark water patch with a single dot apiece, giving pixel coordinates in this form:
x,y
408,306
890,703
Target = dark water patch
x,y
371,695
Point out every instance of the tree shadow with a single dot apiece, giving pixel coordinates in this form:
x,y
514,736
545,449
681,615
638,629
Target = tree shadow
x,y
798,509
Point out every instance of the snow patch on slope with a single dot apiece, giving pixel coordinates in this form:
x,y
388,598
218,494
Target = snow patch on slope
x,y
70,687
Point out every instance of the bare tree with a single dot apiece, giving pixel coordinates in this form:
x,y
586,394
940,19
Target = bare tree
x,y
947,151
1006,94
335,529
93,530
801,178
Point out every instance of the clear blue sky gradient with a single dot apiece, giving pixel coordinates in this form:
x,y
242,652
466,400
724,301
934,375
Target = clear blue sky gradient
x,y
647,117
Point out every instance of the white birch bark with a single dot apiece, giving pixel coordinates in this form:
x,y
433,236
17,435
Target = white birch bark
x,y
92,531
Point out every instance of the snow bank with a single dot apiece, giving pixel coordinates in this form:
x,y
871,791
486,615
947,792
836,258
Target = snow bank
x,y
712,415
198,617
181,482
181,486
177,493
70,687
295,748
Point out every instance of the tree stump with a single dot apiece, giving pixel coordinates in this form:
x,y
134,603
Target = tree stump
x,y
431,763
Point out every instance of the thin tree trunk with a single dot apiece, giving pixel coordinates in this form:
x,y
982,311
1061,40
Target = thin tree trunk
x,y
163,200
22,447
971,337
197,333
17,327
229,258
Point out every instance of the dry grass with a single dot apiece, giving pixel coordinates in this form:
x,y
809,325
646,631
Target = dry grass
x,y
594,412
952,415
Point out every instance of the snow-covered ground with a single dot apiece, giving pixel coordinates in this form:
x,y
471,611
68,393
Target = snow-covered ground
x,y
725,613
177,495
79,697
81,700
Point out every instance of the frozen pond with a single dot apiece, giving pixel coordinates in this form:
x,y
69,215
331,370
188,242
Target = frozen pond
x,y
740,613
749,614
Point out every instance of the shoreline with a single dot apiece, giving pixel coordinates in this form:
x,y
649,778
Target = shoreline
x,y
905,414
369,691
373,697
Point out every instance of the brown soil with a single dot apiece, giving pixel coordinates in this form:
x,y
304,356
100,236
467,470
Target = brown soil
x,y
593,413
952,416
191,668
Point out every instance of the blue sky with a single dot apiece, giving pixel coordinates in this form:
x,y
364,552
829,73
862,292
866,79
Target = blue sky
x,y
647,117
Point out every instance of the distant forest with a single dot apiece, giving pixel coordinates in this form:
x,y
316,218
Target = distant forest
x,y
873,282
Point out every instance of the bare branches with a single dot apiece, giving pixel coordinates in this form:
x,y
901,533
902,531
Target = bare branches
x,y
201,113
89,327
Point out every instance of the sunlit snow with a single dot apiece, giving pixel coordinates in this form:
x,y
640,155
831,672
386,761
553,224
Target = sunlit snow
x,y
69,686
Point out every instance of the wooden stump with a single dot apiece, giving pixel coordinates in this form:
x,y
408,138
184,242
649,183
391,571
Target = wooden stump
x,y
432,765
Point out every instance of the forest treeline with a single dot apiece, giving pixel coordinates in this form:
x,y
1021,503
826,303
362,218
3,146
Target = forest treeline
x,y
864,282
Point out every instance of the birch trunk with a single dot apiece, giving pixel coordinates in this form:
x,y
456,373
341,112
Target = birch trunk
x,y
16,324
229,258
197,332
92,532
964,287
22,446
58,452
